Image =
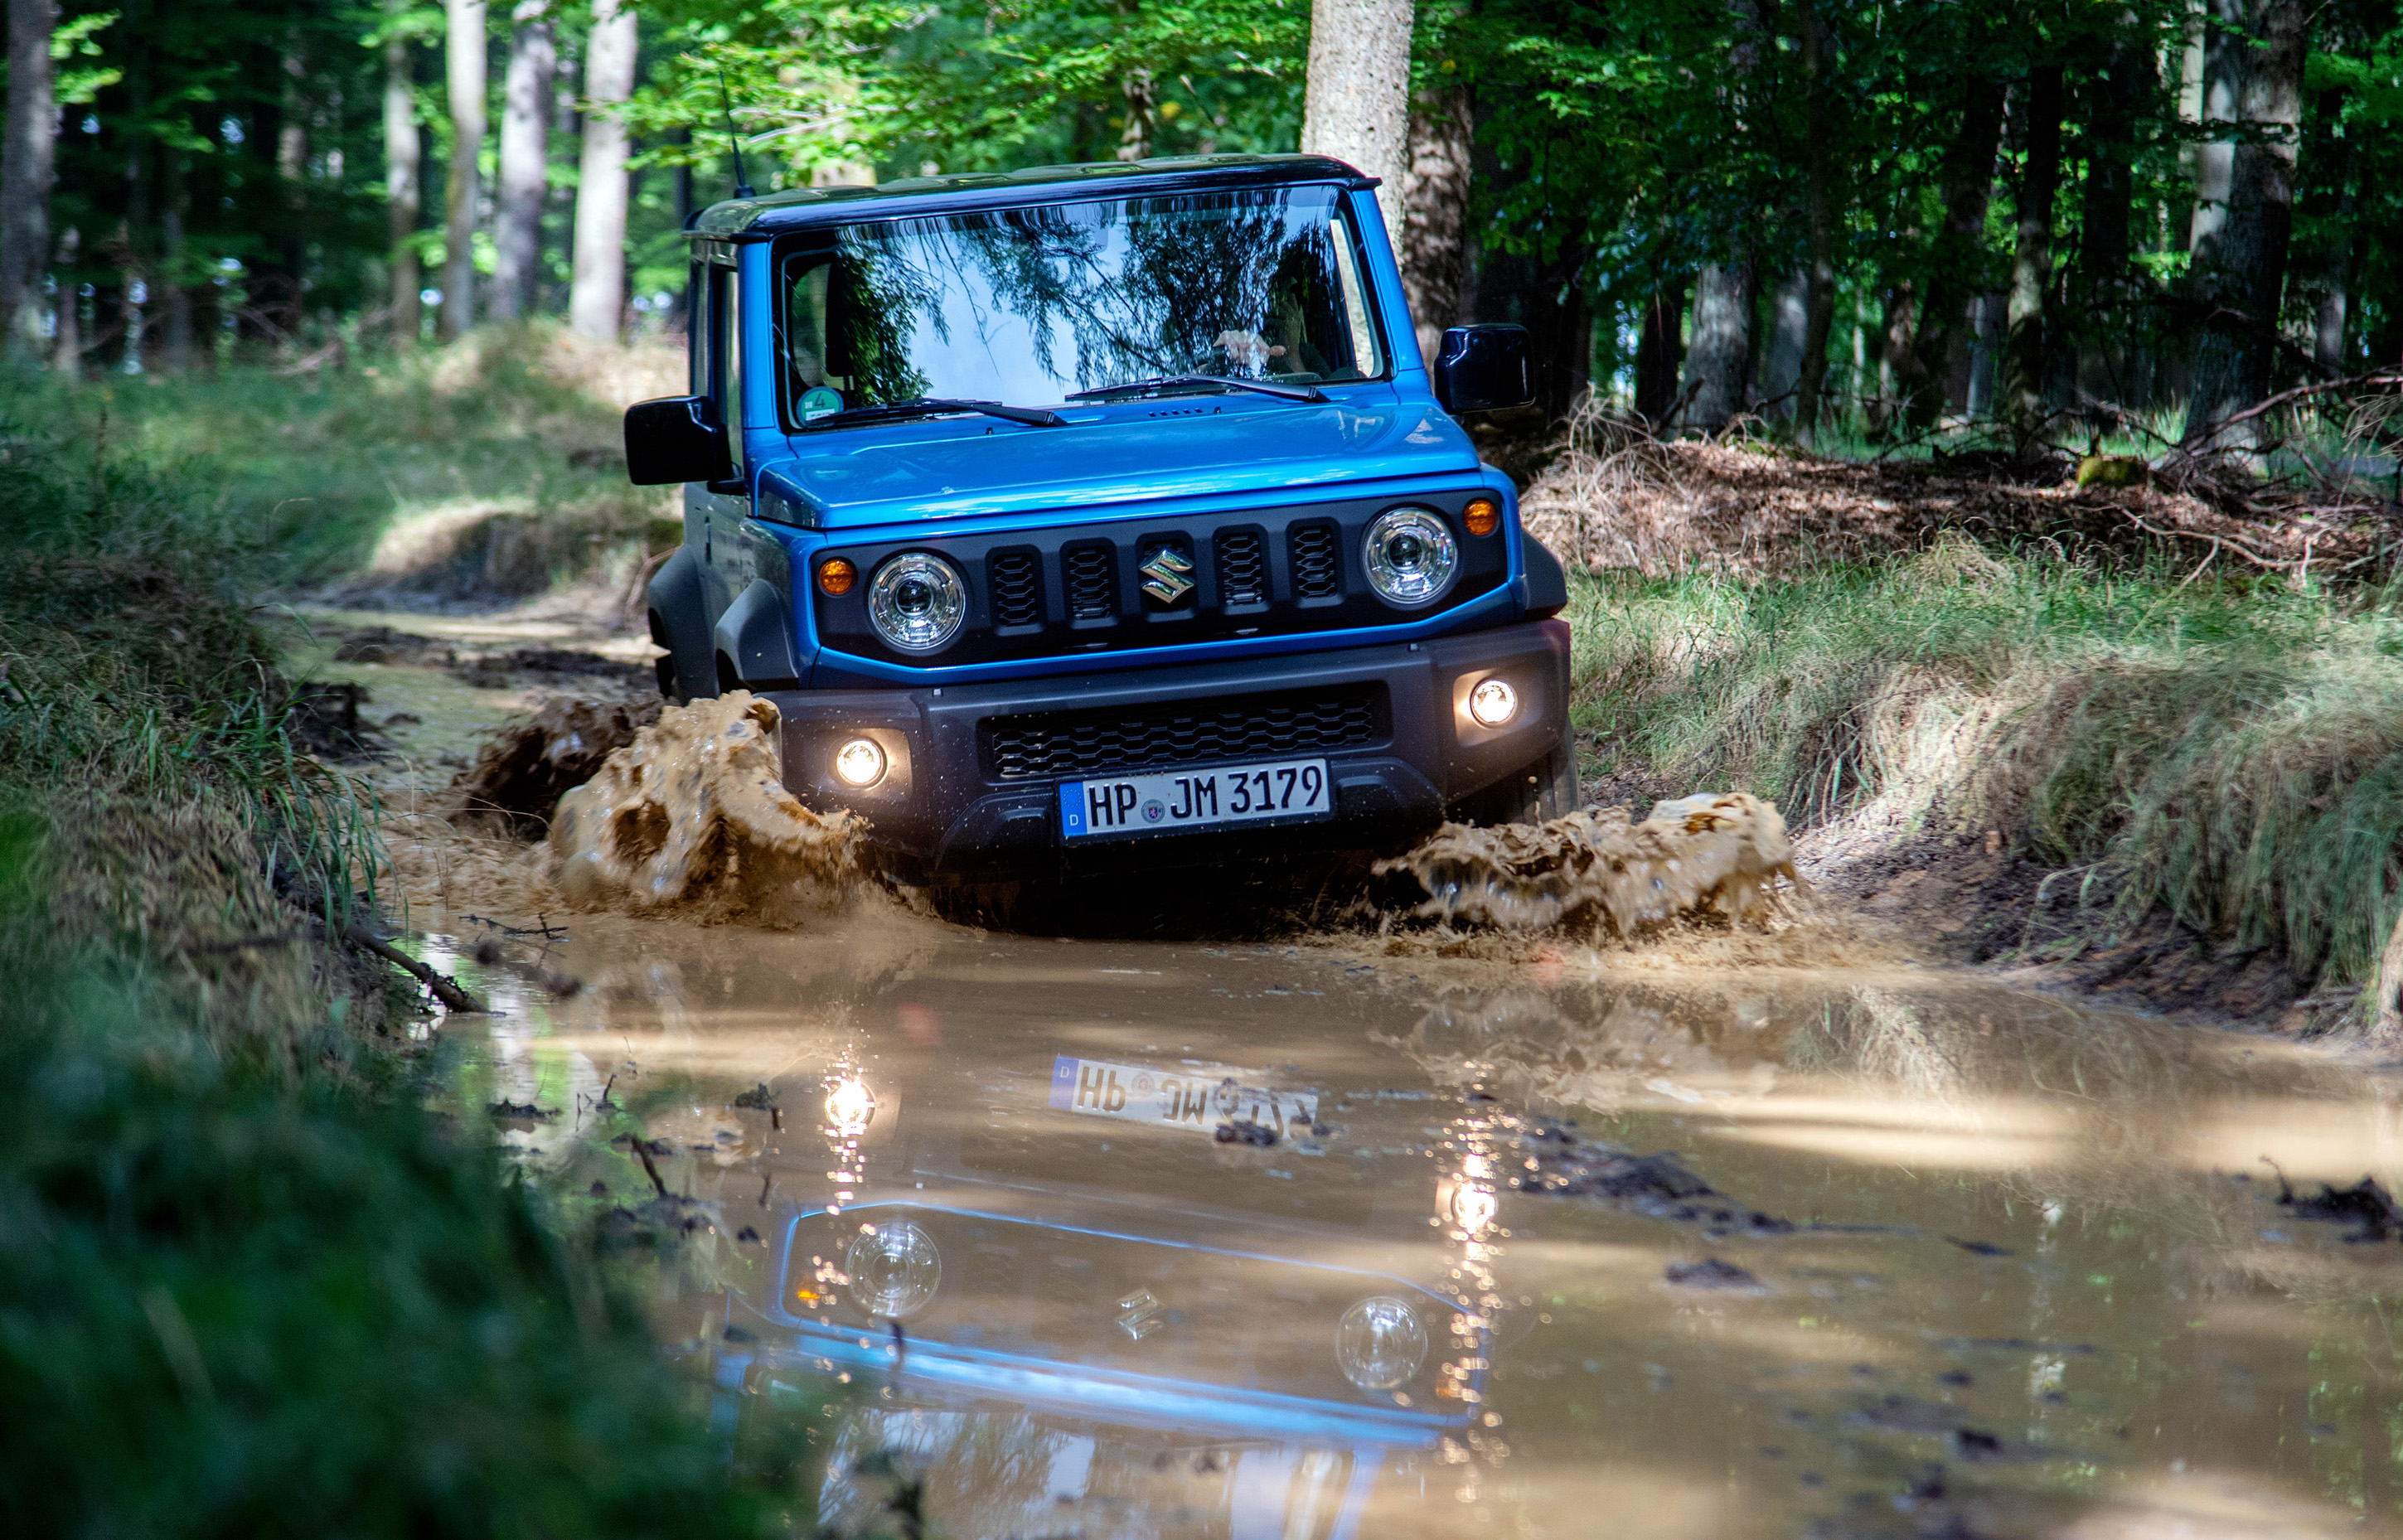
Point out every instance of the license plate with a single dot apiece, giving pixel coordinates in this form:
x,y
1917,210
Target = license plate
x,y
1193,1100
1195,799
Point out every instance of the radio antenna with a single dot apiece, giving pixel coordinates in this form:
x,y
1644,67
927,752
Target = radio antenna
x,y
725,105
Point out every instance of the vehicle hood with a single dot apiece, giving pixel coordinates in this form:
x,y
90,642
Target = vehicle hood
x,y
973,467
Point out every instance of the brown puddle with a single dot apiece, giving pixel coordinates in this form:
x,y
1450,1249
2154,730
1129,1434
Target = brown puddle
x,y
1964,1261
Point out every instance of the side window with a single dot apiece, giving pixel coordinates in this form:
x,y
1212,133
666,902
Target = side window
x,y
726,315
700,329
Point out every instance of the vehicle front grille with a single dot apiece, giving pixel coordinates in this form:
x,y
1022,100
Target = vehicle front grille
x,y
1243,568
1317,572
1251,726
1093,588
1017,584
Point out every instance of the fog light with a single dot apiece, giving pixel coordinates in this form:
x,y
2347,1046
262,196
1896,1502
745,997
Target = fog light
x,y
894,1268
860,762
836,577
1481,515
1494,702
1381,1343
849,1107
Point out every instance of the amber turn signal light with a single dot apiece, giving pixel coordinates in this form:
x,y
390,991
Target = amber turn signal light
x,y
836,577
1481,517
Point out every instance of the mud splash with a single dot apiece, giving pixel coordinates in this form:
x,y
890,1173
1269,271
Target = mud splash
x,y
693,820
1600,871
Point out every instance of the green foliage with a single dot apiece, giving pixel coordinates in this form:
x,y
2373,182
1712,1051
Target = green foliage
x,y
251,1281
820,86
2230,749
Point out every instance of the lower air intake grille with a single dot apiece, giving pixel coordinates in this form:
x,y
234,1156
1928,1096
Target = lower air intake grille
x,y
1316,572
1092,594
1243,568
1016,583
1252,727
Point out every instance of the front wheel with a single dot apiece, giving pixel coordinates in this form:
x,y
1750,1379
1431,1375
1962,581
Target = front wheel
x,y
1545,790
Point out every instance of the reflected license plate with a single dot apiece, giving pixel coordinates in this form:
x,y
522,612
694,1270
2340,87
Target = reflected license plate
x,y
1195,799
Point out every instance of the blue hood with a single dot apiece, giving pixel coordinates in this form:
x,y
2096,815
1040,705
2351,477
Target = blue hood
x,y
1115,455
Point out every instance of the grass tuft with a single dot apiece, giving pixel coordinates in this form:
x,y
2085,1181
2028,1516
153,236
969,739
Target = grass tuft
x,y
2229,750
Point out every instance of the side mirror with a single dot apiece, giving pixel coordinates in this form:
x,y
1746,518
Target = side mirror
x,y
1484,368
676,438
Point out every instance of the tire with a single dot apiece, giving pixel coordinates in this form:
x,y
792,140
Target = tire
x,y
1541,792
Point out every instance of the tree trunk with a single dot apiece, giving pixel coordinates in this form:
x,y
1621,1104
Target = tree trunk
x,y
1955,263
1141,94
2326,273
597,294
1435,213
404,157
2104,344
1789,327
66,346
1821,306
27,166
2224,51
464,55
1718,356
1657,351
2232,367
1357,104
2022,392
525,162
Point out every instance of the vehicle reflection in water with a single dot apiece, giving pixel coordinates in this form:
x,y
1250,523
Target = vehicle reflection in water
x,y
2024,1293
1041,1339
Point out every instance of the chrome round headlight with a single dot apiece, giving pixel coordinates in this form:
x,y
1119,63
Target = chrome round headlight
x,y
917,602
1410,556
1381,1343
894,1268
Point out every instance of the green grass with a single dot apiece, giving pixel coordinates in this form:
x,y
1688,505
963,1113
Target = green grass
x,y
2230,749
294,479
259,1271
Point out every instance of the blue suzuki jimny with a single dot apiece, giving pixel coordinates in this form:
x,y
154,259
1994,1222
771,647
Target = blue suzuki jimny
x,y
1103,515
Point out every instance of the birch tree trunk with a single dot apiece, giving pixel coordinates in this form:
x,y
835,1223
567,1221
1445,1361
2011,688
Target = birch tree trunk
x,y
1141,94
2224,50
1357,104
464,54
525,162
2232,368
2022,391
404,171
597,294
27,165
1435,213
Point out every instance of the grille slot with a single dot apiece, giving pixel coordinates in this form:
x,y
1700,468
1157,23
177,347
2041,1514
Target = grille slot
x,y
1317,571
1015,581
1252,727
1091,573
1243,562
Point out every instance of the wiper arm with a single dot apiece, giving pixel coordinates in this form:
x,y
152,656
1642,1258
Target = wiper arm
x,y
1136,387
929,406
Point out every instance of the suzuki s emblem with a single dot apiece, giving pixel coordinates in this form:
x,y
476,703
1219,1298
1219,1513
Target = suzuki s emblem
x,y
1168,577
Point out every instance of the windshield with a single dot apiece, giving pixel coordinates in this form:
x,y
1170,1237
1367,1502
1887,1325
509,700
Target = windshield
x,y
1029,306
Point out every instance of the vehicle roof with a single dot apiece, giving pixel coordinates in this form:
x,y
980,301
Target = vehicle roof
x,y
798,208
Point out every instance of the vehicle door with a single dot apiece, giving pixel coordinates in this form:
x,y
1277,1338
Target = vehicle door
x,y
714,511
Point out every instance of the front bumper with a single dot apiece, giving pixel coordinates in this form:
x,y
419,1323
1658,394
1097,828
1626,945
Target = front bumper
x,y
946,812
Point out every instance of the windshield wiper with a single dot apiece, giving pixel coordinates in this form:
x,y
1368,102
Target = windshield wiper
x,y
1136,387
929,406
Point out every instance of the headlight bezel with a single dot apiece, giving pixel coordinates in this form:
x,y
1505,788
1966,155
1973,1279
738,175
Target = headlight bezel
x,y
949,602
1421,581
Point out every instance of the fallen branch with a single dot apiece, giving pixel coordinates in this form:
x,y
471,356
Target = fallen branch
x,y
2193,448
445,989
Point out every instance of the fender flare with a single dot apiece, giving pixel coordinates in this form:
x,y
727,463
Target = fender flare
x,y
680,623
1544,588
756,635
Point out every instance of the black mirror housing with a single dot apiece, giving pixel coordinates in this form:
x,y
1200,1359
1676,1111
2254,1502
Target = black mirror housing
x,y
1485,369
676,438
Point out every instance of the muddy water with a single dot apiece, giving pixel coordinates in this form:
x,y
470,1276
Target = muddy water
x,y
2023,1291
